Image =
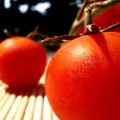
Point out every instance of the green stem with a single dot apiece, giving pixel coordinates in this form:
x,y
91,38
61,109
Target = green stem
x,y
115,26
78,18
99,7
88,16
80,11
89,27
64,38
59,38
36,35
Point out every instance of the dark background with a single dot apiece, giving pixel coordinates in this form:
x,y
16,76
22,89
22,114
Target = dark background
x,y
57,21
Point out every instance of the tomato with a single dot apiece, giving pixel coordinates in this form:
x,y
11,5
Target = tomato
x,y
22,62
83,78
107,18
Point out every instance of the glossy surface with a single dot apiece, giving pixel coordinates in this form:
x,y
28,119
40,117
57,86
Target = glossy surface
x,y
107,18
83,78
22,62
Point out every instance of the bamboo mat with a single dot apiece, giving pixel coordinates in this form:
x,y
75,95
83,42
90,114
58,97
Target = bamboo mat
x,y
26,104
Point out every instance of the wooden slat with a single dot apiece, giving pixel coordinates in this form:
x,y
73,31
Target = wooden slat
x,y
38,110
30,107
25,105
4,100
7,106
22,107
47,111
2,94
14,108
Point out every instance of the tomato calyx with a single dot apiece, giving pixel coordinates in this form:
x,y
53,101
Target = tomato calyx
x,y
91,9
98,6
90,28
35,34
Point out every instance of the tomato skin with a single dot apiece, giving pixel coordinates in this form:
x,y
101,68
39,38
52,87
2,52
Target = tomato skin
x,y
83,78
107,18
22,62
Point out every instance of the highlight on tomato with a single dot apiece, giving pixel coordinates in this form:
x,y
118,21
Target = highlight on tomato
x,y
83,78
22,62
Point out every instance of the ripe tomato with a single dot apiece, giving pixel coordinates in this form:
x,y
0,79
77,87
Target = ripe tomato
x,y
22,62
107,18
83,78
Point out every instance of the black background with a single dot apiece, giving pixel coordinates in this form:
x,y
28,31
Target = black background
x,y
57,21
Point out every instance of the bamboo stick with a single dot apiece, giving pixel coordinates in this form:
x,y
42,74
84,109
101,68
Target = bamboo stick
x,y
30,107
4,100
2,94
4,111
14,108
22,107
47,111
38,110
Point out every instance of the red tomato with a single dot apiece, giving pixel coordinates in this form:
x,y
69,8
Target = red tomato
x,y
107,18
22,62
83,78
